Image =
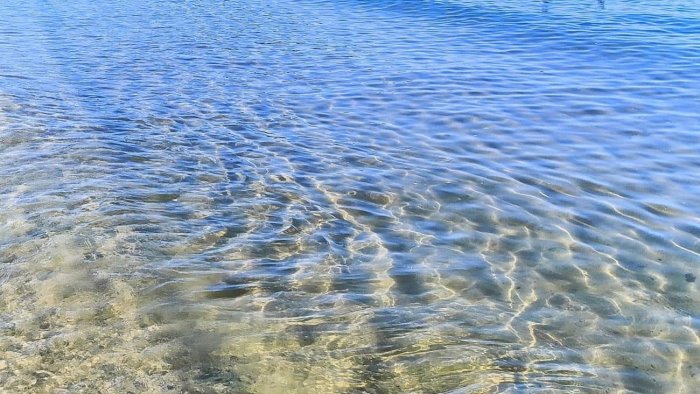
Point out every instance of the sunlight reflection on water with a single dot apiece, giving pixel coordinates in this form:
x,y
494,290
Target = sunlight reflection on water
x,y
349,196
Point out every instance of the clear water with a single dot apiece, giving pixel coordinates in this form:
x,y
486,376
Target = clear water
x,y
344,196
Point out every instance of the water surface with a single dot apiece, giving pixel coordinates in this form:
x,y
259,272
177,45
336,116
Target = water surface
x,y
349,196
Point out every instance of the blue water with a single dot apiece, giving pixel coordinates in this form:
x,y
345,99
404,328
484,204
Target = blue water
x,y
349,196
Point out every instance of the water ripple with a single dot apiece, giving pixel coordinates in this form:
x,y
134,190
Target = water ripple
x,y
349,196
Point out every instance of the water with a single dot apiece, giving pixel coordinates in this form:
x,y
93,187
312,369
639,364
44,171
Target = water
x,y
349,196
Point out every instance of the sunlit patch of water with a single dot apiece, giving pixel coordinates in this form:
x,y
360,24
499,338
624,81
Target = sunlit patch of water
x,y
349,196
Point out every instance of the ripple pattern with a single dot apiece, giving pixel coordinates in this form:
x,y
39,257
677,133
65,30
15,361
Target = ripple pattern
x,y
349,196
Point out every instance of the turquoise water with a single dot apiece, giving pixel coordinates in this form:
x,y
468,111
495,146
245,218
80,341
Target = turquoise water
x,y
349,196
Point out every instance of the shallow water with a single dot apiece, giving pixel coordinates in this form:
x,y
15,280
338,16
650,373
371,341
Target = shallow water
x,y
349,196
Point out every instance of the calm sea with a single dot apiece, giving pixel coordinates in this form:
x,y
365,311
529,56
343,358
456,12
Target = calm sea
x,y
350,196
